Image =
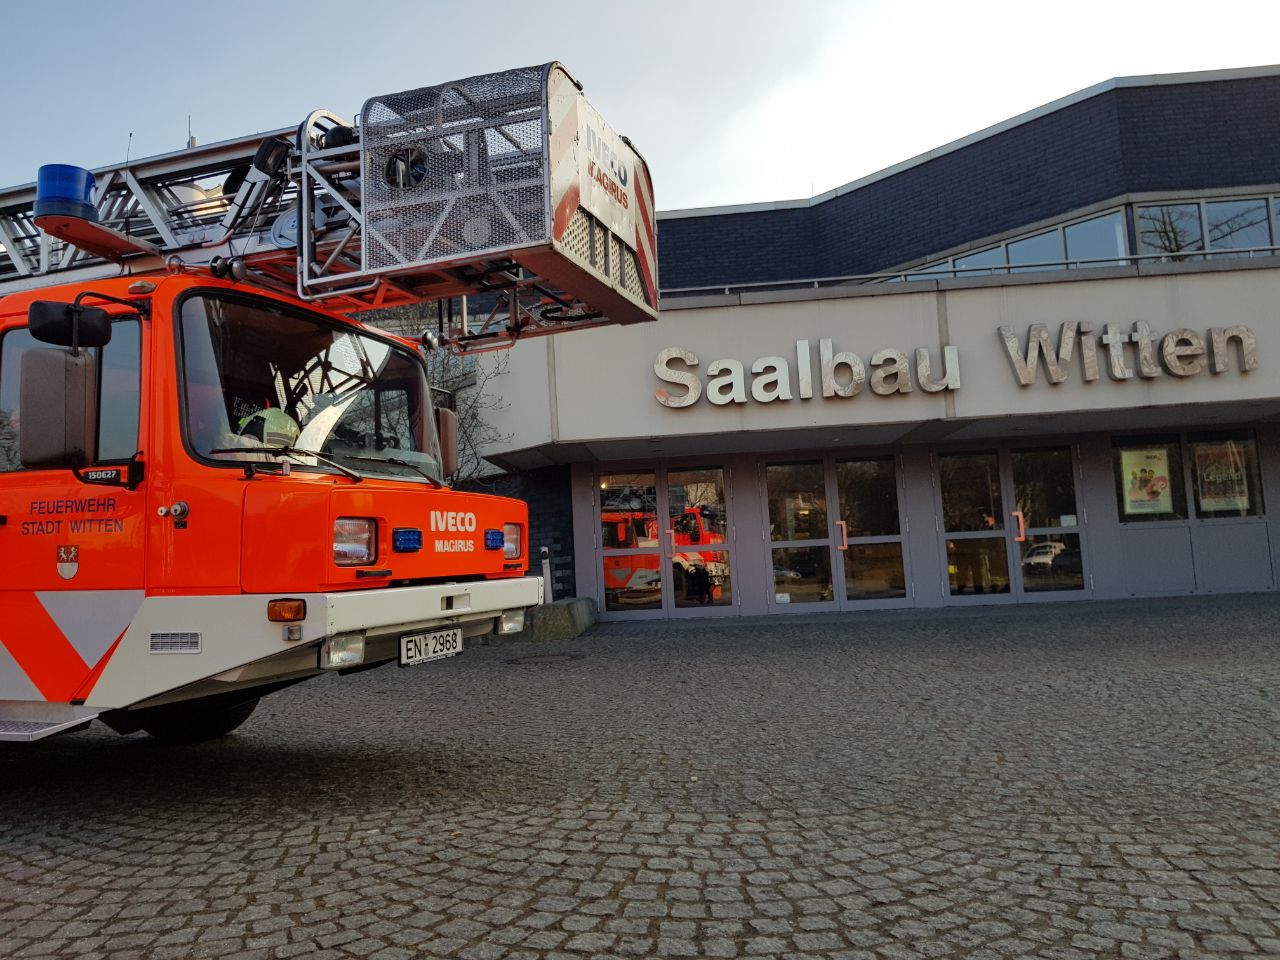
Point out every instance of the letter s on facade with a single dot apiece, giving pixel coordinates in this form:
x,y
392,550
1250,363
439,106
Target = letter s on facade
x,y
693,388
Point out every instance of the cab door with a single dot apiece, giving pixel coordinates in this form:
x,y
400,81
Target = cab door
x,y
73,551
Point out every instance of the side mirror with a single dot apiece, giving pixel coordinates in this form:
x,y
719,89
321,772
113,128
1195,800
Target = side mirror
x,y
56,323
57,410
447,427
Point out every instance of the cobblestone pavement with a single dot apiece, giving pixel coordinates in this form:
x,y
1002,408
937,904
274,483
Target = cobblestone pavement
x,y
1060,781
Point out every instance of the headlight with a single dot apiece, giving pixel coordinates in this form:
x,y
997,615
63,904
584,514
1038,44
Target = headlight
x,y
511,540
342,650
355,541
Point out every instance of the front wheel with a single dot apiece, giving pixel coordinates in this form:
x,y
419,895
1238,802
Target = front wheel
x,y
195,726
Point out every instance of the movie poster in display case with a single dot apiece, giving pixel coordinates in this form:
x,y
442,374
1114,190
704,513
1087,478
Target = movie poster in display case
x,y
1145,474
1222,482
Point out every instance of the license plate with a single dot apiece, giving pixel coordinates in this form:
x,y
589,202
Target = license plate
x,y
425,647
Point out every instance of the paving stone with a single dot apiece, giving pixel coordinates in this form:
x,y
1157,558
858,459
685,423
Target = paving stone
x,y
977,783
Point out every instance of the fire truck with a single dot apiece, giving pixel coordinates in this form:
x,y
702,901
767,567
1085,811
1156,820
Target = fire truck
x,y
215,479
697,572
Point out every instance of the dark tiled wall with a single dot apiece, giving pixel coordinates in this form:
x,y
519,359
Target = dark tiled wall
x,y
547,492
1201,136
1191,136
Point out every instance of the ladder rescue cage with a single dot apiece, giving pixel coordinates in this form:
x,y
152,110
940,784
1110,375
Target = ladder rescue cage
x,y
506,188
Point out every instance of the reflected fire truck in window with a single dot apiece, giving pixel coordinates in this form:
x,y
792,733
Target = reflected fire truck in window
x,y
687,544
217,481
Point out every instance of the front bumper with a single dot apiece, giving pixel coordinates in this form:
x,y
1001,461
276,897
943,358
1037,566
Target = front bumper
x,y
236,646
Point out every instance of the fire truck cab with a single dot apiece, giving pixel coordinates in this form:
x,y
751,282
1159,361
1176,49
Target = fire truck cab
x,y
215,480
221,493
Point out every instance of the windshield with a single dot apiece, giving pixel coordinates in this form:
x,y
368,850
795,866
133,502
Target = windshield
x,y
258,375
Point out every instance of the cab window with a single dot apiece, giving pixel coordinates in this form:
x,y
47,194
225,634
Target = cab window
x,y
119,392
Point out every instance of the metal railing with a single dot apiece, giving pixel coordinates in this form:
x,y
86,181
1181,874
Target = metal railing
x,y
919,274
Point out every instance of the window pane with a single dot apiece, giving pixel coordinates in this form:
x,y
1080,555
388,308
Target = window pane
x,y
1169,228
1044,487
977,566
802,575
257,373
1234,224
628,511
12,347
932,271
1225,475
1149,481
873,571
971,492
983,258
1052,562
797,501
1042,248
868,496
701,579
697,505
121,392
633,582
1097,239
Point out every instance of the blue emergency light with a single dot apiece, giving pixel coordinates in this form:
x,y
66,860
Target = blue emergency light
x,y
65,191
493,539
406,539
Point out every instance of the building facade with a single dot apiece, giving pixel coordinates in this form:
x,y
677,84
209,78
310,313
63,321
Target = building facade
x,y
1033,365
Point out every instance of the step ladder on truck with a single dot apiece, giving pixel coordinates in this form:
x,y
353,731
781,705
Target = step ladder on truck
x,y
215,480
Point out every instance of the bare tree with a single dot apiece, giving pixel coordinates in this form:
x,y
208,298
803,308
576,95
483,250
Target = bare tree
x,y
470,380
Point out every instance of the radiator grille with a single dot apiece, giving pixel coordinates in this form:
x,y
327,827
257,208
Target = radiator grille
x,y
175,643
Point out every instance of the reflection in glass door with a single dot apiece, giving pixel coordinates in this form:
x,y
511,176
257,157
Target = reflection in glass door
x,y
1047,539
973,524
836,533
1010,526
870,529
800,542
664,544
701,574
629,540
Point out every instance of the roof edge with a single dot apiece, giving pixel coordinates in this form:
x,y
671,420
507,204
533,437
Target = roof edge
x,y
1106,86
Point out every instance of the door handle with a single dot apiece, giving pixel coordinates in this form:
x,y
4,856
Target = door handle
x,y
844,534
1022,527
672,552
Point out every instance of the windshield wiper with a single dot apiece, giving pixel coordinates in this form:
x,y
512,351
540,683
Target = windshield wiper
x,y
294,452
398,462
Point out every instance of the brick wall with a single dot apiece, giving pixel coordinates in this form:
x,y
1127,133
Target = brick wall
x,y
1193,136
547,492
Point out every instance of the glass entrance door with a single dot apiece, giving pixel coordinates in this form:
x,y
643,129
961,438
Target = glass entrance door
x,y
1010,525
973,525
1047,540
665,548
836,533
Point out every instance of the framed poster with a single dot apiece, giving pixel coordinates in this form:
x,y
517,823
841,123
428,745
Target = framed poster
x,y
1144,473
1222,483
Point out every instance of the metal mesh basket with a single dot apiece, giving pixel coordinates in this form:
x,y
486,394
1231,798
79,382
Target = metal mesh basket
x,y
457,171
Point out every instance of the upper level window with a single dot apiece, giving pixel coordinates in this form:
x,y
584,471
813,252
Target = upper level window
x,y
1100,239
1037,251
965,266
1237,224
119,392
1169,228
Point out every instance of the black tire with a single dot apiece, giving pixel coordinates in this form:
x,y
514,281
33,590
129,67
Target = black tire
x,y
679,583
199,725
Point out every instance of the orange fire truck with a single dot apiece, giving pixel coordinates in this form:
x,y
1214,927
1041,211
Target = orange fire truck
x,y
215,481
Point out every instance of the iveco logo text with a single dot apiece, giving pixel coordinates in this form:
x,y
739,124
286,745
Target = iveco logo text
x,y
453,520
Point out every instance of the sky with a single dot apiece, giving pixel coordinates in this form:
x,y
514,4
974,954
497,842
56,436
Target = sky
x,y
730,102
